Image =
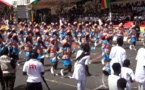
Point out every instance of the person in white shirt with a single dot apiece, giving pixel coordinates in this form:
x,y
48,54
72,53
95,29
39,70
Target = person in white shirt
x,y
121,84
34,69
117,54
127,74
140,69
113,78
79,74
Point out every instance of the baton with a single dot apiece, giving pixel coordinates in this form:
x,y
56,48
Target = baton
x,y
45,82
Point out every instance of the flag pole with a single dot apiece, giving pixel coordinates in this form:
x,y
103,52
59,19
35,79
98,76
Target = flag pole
x,y
110,12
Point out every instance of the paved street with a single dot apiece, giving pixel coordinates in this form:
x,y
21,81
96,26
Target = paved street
x,y
59,83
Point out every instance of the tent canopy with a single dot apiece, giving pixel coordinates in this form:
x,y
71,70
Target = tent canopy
x,y
7,2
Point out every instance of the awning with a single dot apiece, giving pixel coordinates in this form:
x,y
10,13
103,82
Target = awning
x,y
7,2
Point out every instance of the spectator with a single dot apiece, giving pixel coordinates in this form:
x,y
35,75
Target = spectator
x,y
121,84
112,79
127,74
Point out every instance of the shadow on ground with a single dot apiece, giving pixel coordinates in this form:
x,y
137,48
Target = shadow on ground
x,y
21,87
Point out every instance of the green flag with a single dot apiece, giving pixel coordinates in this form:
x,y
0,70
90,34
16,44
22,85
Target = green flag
x,y
34,2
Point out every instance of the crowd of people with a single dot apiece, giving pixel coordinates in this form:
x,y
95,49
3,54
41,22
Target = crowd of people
x,y
57,42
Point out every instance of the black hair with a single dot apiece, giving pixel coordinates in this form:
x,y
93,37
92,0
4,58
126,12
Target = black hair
x,y
10,36
33,54
103,38
120,41
85,47
116,68
121,84
66,45
86,51
15,38
126,63
4,51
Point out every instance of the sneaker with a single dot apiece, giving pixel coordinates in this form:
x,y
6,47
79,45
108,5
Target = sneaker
x,y
134,48
70,77
103,53
52,70
20,52
56,74
18,64
95,44
128,40
61,72
46,56
102,61
130,47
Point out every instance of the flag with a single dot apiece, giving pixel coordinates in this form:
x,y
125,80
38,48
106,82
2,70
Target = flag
x,y
105,3
7,2
34,2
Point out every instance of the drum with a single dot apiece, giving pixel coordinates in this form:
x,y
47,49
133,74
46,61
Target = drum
x,y
107,70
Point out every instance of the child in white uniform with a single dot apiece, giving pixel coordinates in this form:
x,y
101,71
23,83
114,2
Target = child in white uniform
x,y
127,74
121,84
113,78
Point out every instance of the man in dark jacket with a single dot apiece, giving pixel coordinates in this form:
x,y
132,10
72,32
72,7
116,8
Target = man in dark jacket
x,y
1,80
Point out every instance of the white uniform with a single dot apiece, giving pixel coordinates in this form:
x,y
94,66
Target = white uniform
x,y
117,55
127,73
33,68
80,72
140,69
112,82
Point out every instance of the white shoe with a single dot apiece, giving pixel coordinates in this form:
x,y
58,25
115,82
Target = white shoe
x,y
95,44
46,56
56,74
129,40
70,77
20,52
102,53
61,72
52,70
134,48
144,44
102,61
130,47
18,64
